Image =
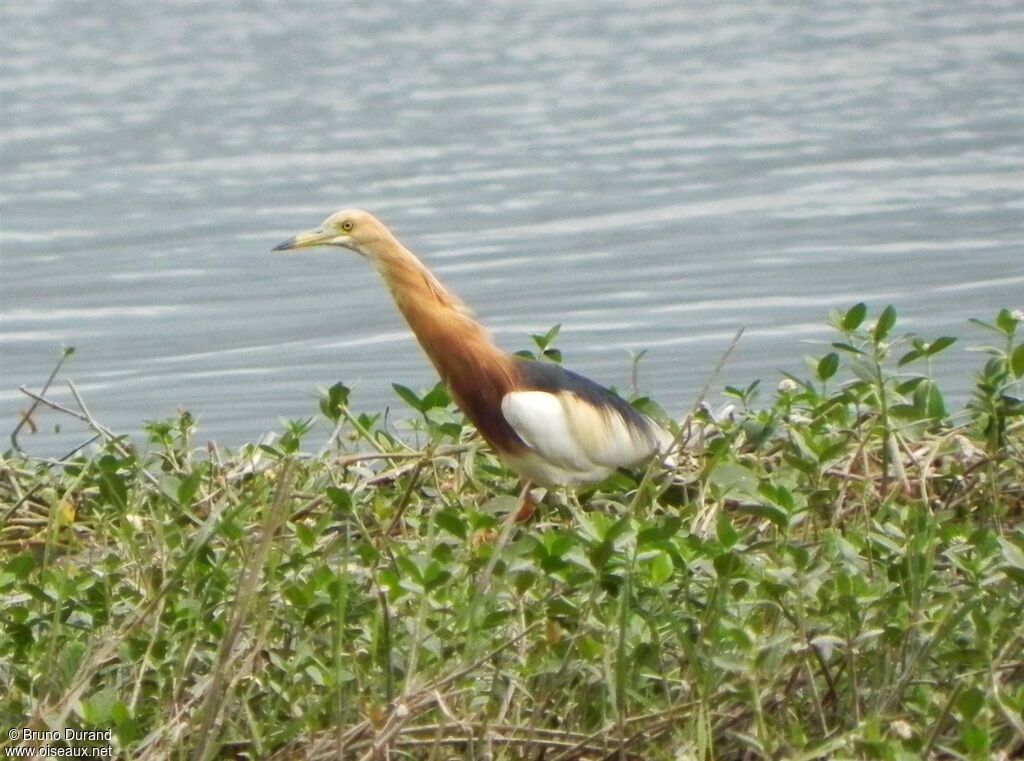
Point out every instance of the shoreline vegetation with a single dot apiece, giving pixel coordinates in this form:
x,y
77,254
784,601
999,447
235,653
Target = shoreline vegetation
x,y
837,573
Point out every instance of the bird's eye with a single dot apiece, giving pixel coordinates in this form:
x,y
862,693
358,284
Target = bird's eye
x,y
347,225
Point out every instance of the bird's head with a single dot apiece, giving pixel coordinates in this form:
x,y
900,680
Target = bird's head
x,y
353,229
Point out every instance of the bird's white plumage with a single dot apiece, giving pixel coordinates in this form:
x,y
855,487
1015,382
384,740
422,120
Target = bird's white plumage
x,y
571,440
540,420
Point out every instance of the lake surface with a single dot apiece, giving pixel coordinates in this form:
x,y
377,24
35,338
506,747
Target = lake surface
x,y
651,175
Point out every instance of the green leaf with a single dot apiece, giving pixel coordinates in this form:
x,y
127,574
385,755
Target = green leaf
x,y
659,532
885,323
771,512
974,738
617,529
910,384
524,580
650,408
1012,554
113,489
305,535
725,531
1017,362
940,344
333,401
731,476
1006,322
910,356
98,707
409,569
854,317
452,522
188,487
803,445
600,554
928,400
848,348
495,618
21,565
922,349
726,564
661,568
970,702
556,544
827,366
437,397
298,595
907,412
864,369
545,340
408,396
340,498
778,495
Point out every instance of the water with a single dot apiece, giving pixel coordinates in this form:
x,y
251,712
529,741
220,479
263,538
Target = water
x,y
652,175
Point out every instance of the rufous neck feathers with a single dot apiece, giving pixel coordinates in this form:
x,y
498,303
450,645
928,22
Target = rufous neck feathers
x,y
441,321
477,372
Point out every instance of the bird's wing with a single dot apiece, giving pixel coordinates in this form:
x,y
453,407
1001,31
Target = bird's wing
x,y
575,433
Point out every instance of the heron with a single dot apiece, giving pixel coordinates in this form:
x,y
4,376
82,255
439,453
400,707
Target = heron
x,y
549,425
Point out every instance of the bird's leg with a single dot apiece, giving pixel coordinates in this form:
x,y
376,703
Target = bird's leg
x,y
527,507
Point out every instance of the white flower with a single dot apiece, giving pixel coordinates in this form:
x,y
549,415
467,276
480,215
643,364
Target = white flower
x,y
901,729
1018,315
787,386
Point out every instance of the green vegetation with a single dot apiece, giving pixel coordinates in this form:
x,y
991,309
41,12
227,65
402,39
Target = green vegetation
x,y
838,574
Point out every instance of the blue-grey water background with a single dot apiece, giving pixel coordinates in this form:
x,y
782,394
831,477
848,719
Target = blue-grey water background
x,y
651,175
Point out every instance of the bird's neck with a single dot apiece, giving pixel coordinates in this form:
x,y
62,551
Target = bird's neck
x,y
477,372
413,286
449,335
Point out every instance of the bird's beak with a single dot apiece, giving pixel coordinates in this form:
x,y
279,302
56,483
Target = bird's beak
x,y
317,237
